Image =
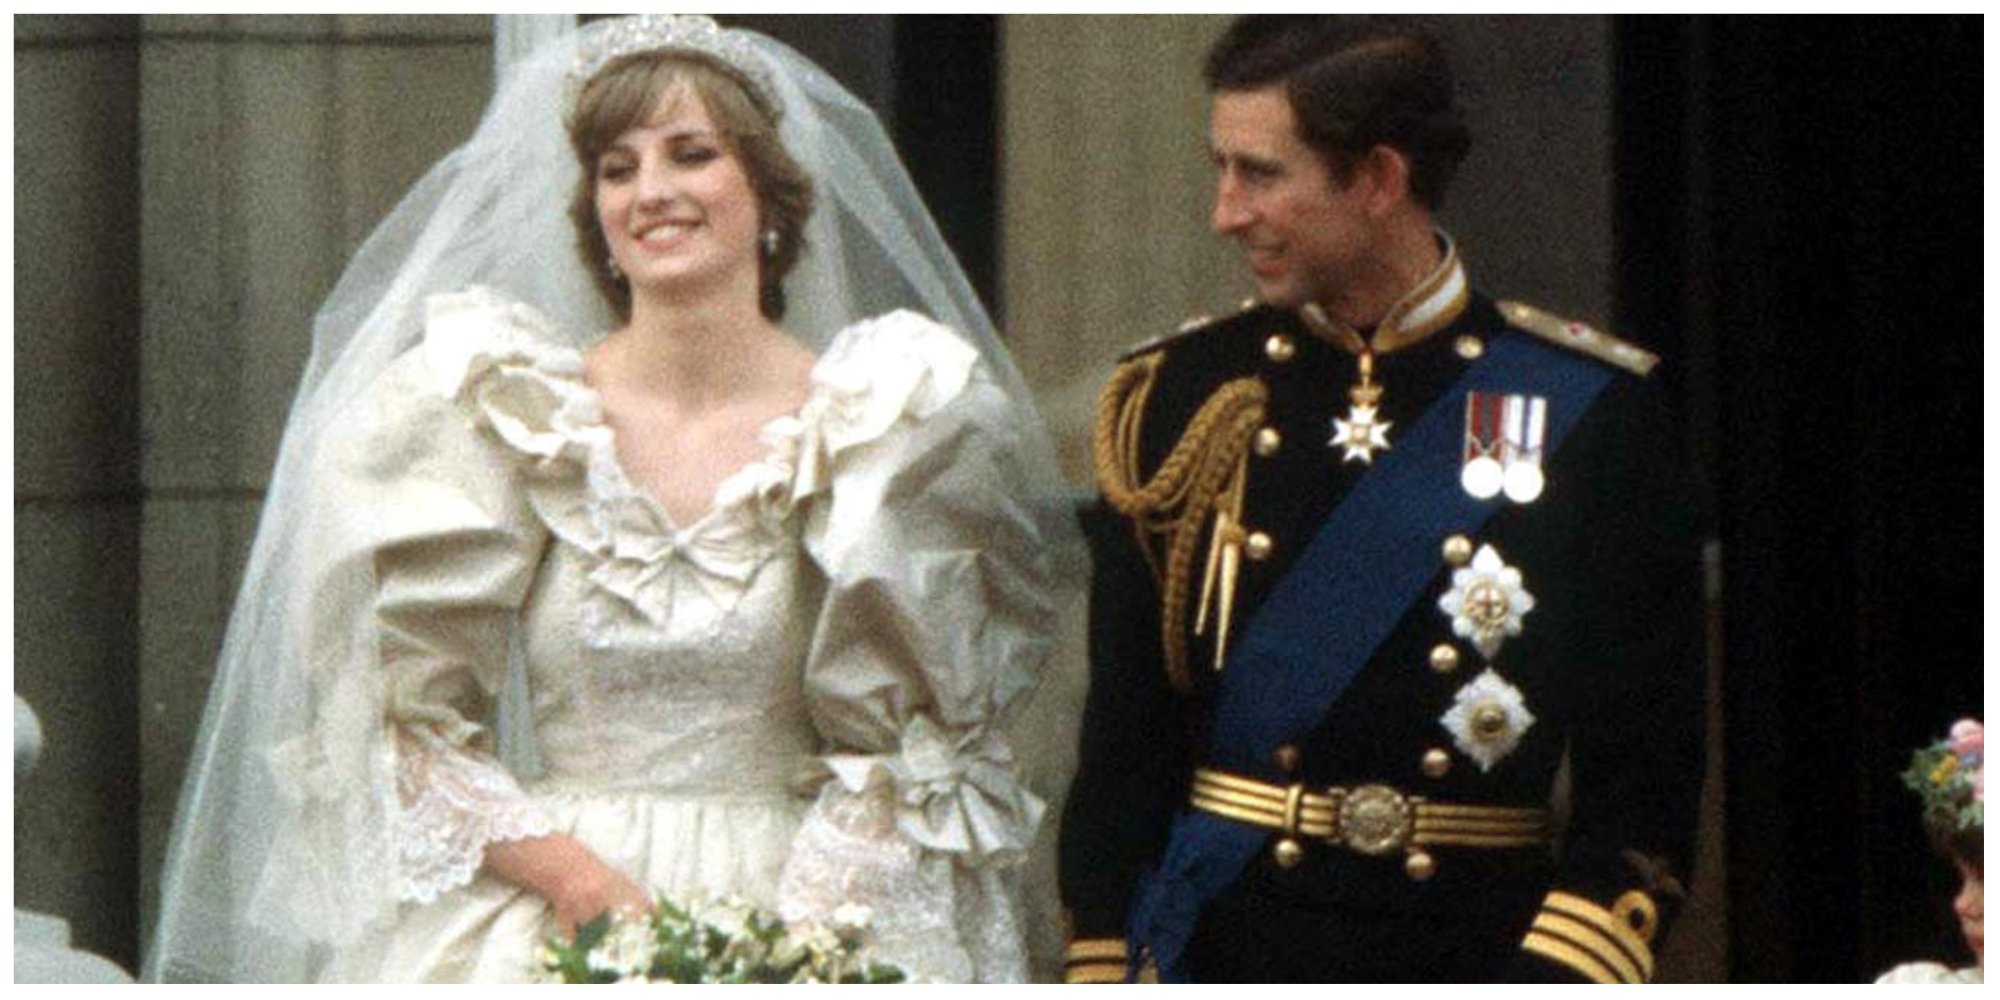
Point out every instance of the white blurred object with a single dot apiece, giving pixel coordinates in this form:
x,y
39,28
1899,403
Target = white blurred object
x,y
42,952
27,740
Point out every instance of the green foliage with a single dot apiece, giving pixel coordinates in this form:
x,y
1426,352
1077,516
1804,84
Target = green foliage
x,y
713,942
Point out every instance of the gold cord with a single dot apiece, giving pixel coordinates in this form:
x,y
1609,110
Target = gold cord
x,y
1203,475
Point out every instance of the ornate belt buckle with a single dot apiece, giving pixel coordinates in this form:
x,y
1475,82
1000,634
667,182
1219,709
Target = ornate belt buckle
x,y
1375,819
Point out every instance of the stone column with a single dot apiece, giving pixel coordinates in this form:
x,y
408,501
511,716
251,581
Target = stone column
x,y
269,148
1104,200
76,468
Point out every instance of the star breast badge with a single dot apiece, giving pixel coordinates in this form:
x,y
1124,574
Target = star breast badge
x,y
1487,719
1486,602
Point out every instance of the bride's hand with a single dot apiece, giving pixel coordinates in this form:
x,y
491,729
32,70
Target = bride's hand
x,y
595,889
575,882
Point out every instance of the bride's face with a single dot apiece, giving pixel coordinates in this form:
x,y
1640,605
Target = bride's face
x,y
675,203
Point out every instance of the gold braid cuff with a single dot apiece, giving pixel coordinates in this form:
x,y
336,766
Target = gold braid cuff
x,y
1588,938
1094,960
1203,475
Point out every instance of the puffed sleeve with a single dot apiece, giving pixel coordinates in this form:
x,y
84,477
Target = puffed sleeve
x,y
933,627
432,549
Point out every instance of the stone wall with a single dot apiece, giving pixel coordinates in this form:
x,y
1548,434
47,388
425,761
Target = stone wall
x,y
187,188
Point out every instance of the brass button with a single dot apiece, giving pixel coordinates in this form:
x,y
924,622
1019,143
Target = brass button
x,y
1286,757
1420,865
1258,546
1444,658
1468,347
1458,550
1489,721
1287,853
1280,348
1267,441
1437,763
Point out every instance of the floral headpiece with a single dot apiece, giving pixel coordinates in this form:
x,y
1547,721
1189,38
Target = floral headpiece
x,y
1951,776
695,32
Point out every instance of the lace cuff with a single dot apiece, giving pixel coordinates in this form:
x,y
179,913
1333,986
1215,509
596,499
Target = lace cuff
x,y
454,802
941,921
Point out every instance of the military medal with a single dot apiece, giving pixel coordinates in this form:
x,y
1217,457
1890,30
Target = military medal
x,y
1503,446
1482,474
1422,311
1362,432
1526,423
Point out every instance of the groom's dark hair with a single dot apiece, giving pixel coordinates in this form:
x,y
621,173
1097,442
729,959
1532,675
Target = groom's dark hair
x,y
1354,83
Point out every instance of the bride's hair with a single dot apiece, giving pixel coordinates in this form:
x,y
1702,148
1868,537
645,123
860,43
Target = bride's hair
x,y
1966,846
625,92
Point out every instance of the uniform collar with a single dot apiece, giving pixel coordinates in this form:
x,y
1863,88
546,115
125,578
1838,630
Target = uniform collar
x,y
1429,306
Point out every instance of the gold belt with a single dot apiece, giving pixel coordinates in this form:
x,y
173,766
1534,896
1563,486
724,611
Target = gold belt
x,y
1369,819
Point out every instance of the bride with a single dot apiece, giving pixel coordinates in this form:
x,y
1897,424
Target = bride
x,y
744,596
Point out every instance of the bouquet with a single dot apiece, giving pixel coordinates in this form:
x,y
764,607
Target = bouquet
x,y
723,941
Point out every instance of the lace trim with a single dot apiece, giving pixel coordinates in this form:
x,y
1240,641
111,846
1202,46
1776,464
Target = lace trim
x,y
941,921
454,803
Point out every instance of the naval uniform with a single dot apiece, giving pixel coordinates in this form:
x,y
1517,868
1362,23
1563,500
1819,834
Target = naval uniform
x,y
1406,833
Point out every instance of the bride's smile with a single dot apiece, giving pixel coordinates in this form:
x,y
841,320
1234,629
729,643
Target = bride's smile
x,y
676,204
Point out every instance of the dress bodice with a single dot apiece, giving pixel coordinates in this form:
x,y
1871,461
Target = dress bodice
x,y
711,703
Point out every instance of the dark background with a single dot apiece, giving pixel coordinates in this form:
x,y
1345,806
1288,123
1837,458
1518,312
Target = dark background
x,y
1800,212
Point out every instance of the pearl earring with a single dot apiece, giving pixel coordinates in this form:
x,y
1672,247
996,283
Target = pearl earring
x,y
768,240
611,268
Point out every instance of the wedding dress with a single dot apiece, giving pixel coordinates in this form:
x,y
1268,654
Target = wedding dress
x,y
461,623
688,681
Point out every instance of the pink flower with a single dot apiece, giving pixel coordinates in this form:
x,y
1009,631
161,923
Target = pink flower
x,y
1968,737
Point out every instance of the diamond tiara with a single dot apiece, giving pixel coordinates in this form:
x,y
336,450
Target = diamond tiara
x,y
651,32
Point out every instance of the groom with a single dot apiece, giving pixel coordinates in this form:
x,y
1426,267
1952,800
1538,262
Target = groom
x,y
1377,556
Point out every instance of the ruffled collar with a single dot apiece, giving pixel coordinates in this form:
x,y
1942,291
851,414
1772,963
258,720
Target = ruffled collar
x,y
505,363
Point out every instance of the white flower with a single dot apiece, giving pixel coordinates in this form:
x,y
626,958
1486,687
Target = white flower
x,y
1487,719
1486,601
851,917
627,949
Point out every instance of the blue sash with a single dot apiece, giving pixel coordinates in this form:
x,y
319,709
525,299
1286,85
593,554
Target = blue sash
x,y
1322,622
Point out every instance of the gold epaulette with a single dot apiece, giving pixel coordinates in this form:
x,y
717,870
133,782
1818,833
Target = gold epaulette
x,y
1190,326
1580,337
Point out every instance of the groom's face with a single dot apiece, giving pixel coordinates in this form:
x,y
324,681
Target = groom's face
x,y
1303,232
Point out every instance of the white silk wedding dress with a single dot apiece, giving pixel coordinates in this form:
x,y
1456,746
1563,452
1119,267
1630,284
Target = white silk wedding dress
x,y
799,699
